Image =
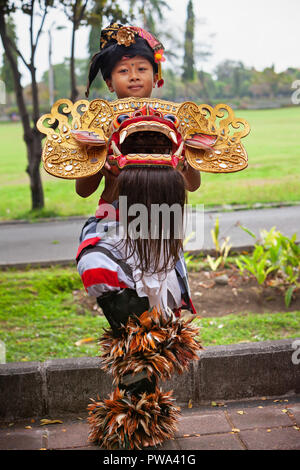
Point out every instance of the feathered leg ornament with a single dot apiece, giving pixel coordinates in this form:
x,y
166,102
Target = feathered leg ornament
x,y
149,347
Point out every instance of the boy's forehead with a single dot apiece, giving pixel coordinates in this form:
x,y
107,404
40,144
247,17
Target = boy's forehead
x,y
137,58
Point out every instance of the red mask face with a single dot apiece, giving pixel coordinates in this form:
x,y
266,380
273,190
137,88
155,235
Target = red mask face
x,y
145,137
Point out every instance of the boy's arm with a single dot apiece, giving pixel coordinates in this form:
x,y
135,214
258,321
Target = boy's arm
x,y
86,186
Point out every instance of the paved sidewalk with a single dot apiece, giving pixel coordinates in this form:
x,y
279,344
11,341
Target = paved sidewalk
x,y
264,424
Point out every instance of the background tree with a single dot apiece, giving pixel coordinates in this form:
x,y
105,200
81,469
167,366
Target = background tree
x,y
75,11
84,13
188,61
149,11
32,136
6,70
102,11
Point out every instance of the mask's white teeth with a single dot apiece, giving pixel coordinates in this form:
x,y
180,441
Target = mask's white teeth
x,y
173,137
116,151
179,151
123,136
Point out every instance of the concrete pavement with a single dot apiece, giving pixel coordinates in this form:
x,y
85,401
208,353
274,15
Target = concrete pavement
x,y
57,240
264,424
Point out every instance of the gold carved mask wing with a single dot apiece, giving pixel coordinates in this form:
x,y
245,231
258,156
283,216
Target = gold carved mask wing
x,y
212,143
76,142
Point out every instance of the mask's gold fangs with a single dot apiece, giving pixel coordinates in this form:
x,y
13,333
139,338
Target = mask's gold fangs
x,y
81,136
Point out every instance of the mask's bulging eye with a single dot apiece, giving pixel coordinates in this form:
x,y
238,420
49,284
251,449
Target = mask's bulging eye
x,y
119,119
122,118
172,118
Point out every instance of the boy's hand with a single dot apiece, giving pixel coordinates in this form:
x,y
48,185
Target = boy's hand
x,y
109,172
191,176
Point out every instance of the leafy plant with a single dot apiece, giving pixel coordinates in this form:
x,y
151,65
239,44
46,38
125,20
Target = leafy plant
x,y
188,257
222,250
277,254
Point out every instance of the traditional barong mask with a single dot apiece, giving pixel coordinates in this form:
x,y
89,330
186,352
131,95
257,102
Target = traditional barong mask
x,y
135,131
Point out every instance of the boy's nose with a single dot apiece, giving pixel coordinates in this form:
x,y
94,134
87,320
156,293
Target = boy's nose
x,y
133,75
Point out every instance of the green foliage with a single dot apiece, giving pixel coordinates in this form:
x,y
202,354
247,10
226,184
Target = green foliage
x,y
222,250
276,260
41,319
5,71
248,327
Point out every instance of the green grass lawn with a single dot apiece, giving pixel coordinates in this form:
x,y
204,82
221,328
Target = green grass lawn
x,y
39,319
272,175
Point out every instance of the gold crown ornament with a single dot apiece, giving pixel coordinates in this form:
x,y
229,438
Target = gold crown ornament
x,y
81,136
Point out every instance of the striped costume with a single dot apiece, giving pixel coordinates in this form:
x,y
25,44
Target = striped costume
x,y
102,270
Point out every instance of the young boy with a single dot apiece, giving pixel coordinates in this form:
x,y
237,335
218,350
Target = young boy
x,y
123,289
128,71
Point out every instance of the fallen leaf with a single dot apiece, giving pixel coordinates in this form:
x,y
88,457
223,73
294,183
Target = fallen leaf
x,y
235,430
50,421
284,411
11,424
268,430
207,285
297,428
241,412
190,404
197,435
234,291
28,427
186,435
260,407
84,340
32,420
263,398
217,403
43,448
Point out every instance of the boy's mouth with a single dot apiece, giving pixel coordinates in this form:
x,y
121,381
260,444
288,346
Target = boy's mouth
x,y
135,87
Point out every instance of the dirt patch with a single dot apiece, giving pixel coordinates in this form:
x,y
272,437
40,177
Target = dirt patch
x,y
215,294
238,294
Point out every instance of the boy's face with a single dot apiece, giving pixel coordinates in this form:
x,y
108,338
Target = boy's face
x,y
132,77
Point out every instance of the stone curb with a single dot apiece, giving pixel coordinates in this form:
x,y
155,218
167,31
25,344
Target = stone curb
x,y
238,371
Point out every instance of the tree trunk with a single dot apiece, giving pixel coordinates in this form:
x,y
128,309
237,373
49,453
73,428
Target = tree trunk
x,y
32,136
34,151
74,91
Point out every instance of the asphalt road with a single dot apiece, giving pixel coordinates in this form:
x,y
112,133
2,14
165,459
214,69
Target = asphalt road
x,y
57,241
